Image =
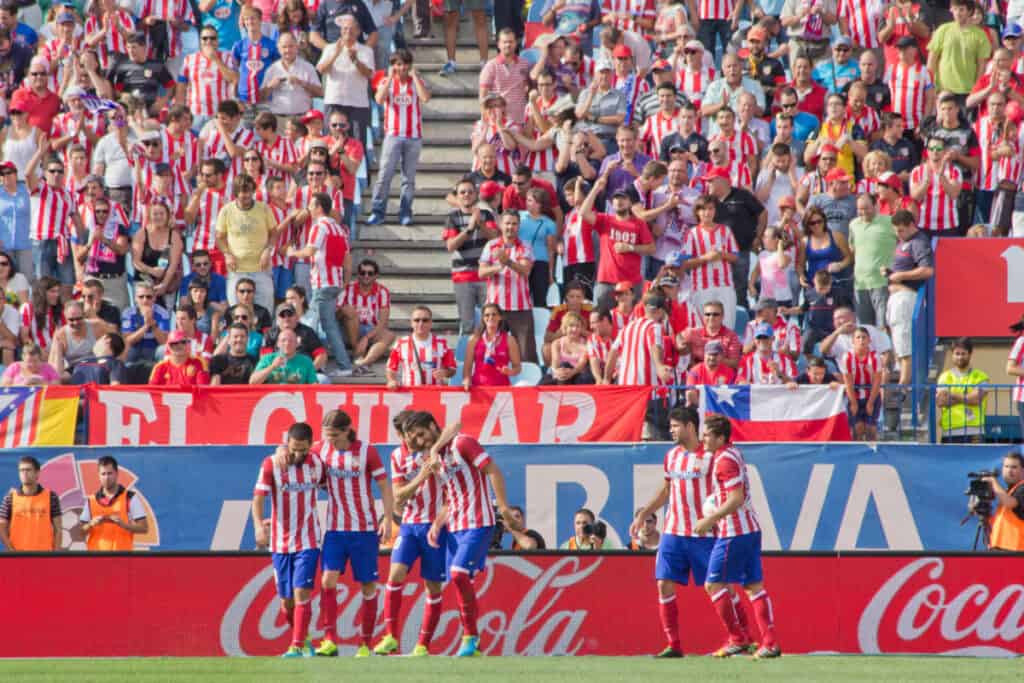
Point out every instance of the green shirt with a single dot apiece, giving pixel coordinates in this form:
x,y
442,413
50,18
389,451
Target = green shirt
x,y
874,243
298,370
959,50
960,419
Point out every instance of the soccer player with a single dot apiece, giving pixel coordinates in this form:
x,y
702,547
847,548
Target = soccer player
x,y
418,490
736,556
350,466
468,474
294,528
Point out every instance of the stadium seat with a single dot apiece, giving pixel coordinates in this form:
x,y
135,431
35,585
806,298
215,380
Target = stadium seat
x,y
456,379
528,376
742,318
541,318
460,348
554,297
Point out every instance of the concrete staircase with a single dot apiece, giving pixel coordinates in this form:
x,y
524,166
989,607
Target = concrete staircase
x,y
414,263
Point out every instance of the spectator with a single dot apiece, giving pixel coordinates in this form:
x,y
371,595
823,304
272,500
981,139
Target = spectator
x,y
276,153
817,373
745,217
74,341
208,315
179,367
467,231
903,19
824,250
10,328
253,42
601,108
1000,155
243,315
760,66
156,253
711,371
245,231
686,144
599,344
145,325
911,83
837,73
235,365
661,98
224,17
719,157
401,93
1015,369
296,296
575,302
586,533
113,515
764,365
287,365
208,77
245,294
960,395
347,67
808,24
56,215
774,266
523,180
290,83
309,343
505,264
626,165
842,133
485,167
453,11
522,537
724,92
495,128
902,152
201,267
492,354
891,198
145,78
569,363
15,223
713,250
330,14
17,57
226,139
819,304
39,104
912,267
104,366
862,373
844,323
647,536
813,182
30,515
958,50
41,316
786,333
200,343
11,280
695,338
422,358
365,309
874,235
104,253
508,75
345,155
31,371
540,232
674,203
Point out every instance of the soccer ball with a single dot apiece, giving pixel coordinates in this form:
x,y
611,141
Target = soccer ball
x,y
709,506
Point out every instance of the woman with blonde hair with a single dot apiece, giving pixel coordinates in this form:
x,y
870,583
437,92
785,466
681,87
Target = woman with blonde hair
x,y
875,164
569,361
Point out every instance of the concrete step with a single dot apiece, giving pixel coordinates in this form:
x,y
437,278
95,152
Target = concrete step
x,y
426,181
444,106
446,157
466,78
422,255
405,283
434,52
447,132
464,120
402,310
428,201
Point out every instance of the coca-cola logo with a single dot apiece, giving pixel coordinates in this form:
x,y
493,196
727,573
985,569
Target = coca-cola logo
x,y
916,611
537,622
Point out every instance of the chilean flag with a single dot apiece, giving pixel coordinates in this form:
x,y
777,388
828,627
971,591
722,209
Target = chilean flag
x,y
762,412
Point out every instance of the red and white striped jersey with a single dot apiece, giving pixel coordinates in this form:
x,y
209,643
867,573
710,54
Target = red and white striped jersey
x,y
938,210
578,239
907,85
65,124
741,145
54,212
294,523
756,369
694,83
210,204
422,507
183,150
201,346
730,472
507,288
349,475
40,336
714,9
167,10
301,201
282,151
213,147
113,42
403,116
584,75
635,344
467,490
206,85
60,53
739,174
992,170
861,370
544,160
331,242
507,158
368,305
864,18
690,483
787,337
868,119
621,318
700,241
415,361
278,257
628,12
867,186
1017,356
598,347
655,129
145,191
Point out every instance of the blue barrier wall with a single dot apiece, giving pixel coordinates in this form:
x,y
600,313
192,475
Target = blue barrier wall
x,y
808,496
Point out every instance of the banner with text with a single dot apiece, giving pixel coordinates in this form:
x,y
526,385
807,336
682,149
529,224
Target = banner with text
x,y
258,415
38,416
807,496
979,286
529,605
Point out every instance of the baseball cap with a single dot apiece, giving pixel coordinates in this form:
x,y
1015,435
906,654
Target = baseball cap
x,y
763,330
842,40
767,302
837,175
789,201
622,51
603,65
661,65
66,18
675,259
490,189
73,91
1013,31
676,147
176,337
717,172
713,346
906,41
892,180
312,115
694,45
285,307
757,33
378,78
8,166
150,135
623,287
627,192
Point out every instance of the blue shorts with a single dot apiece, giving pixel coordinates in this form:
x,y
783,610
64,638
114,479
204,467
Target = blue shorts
x,y
467,549
358,546
736,559
412,544
283,279
294,570
365,329
678,556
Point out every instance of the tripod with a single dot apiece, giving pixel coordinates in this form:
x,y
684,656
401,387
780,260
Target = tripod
x,y
984,529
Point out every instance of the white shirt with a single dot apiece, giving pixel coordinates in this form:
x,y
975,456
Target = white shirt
x,y
781,188
880,342
343,84
117,172
288,99
10,318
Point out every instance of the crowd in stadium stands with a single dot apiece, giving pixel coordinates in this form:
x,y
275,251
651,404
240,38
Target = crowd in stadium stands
x,y
726,190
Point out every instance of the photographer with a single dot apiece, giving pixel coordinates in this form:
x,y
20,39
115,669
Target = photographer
x,y
522,538
589,534
1008,520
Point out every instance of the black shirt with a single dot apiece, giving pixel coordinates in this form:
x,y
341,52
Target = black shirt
x,y
232,369
770,74
879,98
960,139
740,211
479,178
143,80
804,378
695,143
903,153
109,313
309,341
14,67
328,19
104,370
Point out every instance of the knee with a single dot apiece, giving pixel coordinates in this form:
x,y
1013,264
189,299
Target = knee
x,y
666,588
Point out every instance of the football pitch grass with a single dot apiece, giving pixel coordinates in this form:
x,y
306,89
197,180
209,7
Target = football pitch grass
x,y
880,669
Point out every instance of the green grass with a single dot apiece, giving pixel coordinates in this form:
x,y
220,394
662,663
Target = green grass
x,y
885,669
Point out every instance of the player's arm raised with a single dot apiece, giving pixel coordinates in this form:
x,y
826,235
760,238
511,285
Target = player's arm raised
x,y
656,503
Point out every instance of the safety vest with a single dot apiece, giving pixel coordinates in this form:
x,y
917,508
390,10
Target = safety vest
x,y
1007,527
960,419
31,525
109,536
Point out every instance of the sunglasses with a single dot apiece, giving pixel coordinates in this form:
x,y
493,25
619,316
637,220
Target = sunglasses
x,y
314,174
935,148
286,314
241,318
103,212
55,170
368,273
712,314
177,343
37,73
143,296
209,39
151,143
817,221
341,126
690,52
246,291
841,48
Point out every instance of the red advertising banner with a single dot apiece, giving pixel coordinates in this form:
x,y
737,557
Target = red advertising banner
x,y
979,286
258,415
554,604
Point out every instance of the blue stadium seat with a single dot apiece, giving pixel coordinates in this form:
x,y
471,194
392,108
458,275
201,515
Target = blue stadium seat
x,y
460,348
528,376
456,379
742,318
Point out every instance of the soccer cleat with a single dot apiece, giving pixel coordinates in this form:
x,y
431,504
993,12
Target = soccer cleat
x,y
307,648
447,70
363,651
768,653
668,653
420,651
469,647
327,649
387,646
731,650
293,651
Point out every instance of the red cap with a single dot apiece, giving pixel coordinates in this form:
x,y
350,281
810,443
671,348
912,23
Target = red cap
x,y
176,336
890,179
490,188
8,166
837,175
311,115
787,201
622,51
828,148
757,33
661,65
717,172
624,286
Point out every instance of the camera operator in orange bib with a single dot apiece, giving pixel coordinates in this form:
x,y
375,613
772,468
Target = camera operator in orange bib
x,y
1008,520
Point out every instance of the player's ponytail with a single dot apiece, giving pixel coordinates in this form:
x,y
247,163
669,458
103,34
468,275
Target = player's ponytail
x,y
340,420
